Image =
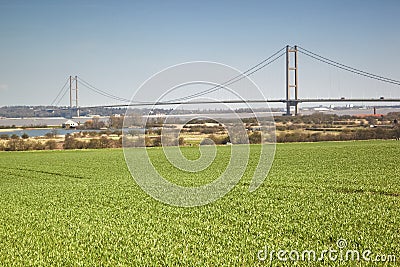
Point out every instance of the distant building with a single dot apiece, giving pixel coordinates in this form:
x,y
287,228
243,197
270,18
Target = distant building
x,y
69,124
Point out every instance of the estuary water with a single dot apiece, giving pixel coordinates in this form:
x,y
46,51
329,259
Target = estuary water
x,y
41,132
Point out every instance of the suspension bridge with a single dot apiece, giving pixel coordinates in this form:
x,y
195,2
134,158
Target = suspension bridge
x,y
291,99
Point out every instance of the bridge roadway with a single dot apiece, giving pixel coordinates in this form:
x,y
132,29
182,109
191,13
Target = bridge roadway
x,y
292,101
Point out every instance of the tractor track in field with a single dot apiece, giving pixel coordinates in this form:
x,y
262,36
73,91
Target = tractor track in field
x,y
42,172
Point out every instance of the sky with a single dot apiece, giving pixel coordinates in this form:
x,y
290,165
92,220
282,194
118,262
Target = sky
x,y
117,45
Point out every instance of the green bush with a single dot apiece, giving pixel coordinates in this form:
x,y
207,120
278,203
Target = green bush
x,y
255,138
50,144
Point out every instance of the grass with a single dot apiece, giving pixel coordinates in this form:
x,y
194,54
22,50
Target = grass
x,y
82,208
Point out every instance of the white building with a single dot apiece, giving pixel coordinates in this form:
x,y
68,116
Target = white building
x,y
69,124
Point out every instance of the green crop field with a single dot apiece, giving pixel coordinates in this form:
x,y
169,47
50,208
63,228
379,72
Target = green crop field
x,y
83,208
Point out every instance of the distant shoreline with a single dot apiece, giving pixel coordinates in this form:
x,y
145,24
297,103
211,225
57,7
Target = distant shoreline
x,y
10,130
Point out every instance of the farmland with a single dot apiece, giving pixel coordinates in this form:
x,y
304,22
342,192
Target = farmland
x,y
82,208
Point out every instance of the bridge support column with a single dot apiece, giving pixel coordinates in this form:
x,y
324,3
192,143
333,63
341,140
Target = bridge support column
x,y
291,82
71,95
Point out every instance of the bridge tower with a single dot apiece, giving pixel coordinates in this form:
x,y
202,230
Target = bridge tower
x,y
73,98
291,79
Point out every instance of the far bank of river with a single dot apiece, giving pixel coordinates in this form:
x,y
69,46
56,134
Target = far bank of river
x,y
10,123
45,121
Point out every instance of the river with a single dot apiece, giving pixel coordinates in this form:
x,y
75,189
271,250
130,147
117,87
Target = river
x,y
41,132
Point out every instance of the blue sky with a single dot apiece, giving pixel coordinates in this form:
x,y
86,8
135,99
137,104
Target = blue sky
x,y
117,45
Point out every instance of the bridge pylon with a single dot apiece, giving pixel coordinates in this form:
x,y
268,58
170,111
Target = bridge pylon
x,y
292,84
73,96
